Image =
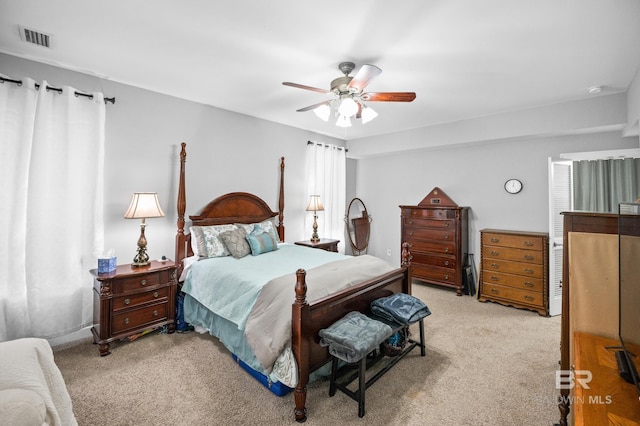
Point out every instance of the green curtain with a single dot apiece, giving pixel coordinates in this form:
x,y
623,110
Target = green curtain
x,y
600,185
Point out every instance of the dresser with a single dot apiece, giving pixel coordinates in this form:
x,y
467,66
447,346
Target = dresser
x,y
515,269
435,233
131,300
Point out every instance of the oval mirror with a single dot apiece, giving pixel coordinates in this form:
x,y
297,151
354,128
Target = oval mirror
x,y
358,226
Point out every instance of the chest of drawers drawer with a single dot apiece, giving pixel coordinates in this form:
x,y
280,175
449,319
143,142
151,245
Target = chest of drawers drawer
x,y
520,268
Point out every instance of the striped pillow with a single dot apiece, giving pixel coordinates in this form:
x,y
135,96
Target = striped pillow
x,y
261,243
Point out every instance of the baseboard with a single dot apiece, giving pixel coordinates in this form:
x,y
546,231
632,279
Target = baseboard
x,y
71,338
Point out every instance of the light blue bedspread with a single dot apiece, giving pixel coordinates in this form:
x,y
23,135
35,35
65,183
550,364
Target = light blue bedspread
x,y
233,285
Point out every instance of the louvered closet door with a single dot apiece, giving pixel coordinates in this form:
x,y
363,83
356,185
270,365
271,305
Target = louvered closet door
x,y
560,200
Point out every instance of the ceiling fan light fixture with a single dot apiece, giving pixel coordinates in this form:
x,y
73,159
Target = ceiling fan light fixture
x,y
348,107
368,114
343,121
323,112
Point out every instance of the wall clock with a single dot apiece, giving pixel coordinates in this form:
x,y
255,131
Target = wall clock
x,y
513,186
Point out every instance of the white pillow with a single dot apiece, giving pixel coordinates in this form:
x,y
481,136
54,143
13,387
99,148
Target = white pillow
x,y
208,242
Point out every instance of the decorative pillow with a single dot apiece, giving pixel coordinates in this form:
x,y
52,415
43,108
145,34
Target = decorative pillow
x,y
208,242
261,243
258,228
236,242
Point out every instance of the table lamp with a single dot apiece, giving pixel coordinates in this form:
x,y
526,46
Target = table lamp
x,y
315,206
143,205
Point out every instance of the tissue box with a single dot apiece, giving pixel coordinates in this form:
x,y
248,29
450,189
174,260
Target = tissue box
x,y
106,265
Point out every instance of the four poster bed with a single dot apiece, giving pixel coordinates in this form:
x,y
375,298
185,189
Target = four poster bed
x,y
321,289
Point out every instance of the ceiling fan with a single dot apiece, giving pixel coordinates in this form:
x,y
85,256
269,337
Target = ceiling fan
x,y
349,96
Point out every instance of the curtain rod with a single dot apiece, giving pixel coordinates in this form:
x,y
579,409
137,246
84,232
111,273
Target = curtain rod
x,y
326,145
56,89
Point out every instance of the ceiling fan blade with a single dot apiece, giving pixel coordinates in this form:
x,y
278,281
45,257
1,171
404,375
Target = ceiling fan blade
x,y
365,74
302,86
314,106
389,96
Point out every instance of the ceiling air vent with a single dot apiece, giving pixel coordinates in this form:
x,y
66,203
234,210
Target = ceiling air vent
x,y
36,37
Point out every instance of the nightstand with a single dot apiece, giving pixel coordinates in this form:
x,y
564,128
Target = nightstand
x,y
324,244
131,300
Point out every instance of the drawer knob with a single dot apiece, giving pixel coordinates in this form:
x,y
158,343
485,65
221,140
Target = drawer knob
x,y
155,294
528,243
127,301
495,240
494,278
528,284
446,250
494,253
528,298
528,271
528,257
143,282
410,232
446,236
446,225
126,320
155,313
410,221
495,291
495,265
446,277
446,263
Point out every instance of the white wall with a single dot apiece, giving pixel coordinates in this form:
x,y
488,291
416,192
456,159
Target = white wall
x,y
226,152
473,175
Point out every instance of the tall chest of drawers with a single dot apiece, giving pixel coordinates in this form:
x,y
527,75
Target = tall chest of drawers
x,y
515,269
436,233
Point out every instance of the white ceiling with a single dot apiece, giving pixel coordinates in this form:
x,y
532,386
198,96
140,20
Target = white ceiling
x,y
463,58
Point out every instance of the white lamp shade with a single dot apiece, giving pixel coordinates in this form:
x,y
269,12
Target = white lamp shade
x,y
143,205
315,205
348,107
323,112
368,114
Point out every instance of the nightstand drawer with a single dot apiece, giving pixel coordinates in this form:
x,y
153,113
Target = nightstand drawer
x,y
125,302
138,282
137,318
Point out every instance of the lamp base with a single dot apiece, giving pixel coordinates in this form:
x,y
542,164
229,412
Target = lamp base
x,y
141,258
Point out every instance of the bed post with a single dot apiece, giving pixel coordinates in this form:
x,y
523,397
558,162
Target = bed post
x,y
181,248
300,344
281,202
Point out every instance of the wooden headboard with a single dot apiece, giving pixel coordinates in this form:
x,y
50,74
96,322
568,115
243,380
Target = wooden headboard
x,y
234,207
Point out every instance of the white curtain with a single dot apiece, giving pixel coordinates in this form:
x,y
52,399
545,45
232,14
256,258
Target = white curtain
x,y
326,176
51,208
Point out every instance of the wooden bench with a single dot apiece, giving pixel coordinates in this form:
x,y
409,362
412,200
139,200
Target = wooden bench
x,y
343,377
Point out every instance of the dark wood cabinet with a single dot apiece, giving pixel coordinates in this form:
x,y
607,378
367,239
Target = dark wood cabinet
x,y
435,232
515,269
131,300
